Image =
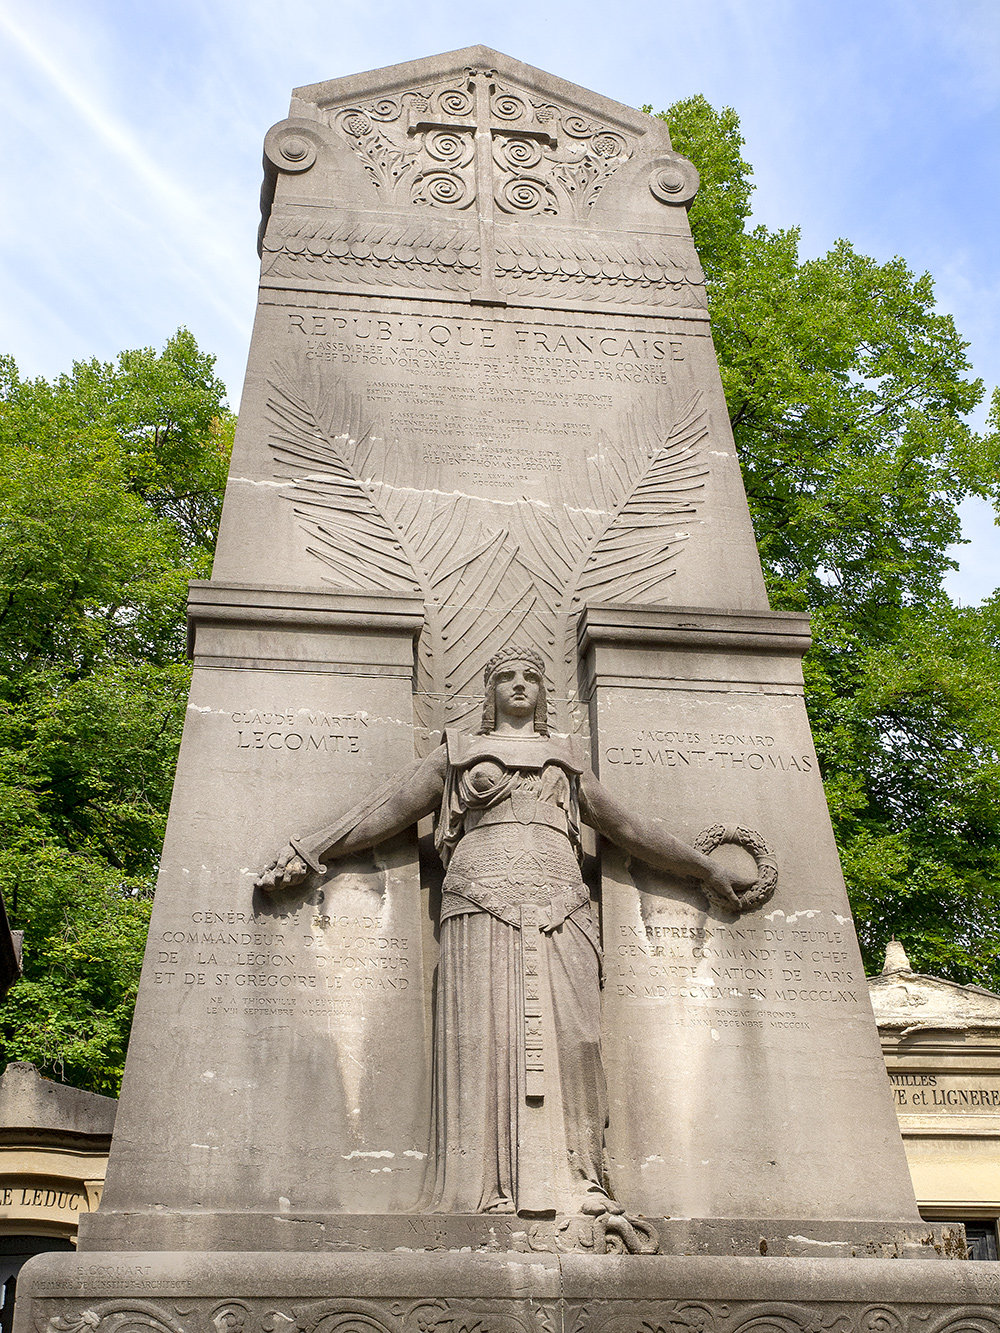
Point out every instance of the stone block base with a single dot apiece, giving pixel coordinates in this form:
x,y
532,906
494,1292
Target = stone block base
x,y
447,1292
492,1233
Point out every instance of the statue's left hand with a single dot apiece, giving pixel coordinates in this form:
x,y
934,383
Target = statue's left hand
x,y
722,888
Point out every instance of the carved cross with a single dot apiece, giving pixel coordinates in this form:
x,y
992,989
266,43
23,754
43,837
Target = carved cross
x,y
485,121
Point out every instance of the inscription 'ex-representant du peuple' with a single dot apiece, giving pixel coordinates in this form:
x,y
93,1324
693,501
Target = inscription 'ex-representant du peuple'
x,y
519,1099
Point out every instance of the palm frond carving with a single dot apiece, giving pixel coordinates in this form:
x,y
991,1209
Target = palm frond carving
x,y
370,519
616,536
375,520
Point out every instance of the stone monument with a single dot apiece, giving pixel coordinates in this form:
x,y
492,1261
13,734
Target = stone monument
x,y
487,653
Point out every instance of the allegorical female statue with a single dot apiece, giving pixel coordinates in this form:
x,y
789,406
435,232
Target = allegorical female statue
x,y
519,1097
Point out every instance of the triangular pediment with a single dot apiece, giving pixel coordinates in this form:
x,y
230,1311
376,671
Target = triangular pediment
x,y
905,999
418,75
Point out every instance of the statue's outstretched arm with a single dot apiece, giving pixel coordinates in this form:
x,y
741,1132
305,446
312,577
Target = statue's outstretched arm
x,y
650,841
394,806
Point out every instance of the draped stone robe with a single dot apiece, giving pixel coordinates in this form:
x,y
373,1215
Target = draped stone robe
x,y
520,1101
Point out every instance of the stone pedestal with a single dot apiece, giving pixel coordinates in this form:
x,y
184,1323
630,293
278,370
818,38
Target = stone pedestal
x,y
406,1292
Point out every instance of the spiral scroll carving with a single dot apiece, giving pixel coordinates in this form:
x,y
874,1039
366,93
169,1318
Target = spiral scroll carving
x,y
401,138
526,194
455,102
596,1314
521,154
449,146
443,189
508,106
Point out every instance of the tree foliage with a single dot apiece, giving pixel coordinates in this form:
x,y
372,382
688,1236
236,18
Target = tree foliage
x,y
849,395
112,487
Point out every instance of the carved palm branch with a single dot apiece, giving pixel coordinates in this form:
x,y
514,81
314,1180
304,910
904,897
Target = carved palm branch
x,y
616,538
369,517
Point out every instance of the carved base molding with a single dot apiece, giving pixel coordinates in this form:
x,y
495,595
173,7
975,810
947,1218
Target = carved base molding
x,y
501,1293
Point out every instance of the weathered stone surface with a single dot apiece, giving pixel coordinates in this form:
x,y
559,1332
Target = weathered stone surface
x,y
37,1108
278,1047
700,714
499,1233
549,422
482,408
409,1293
907,1002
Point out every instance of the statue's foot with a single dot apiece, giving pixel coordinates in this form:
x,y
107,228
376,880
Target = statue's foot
x,y
500,1206
596,1203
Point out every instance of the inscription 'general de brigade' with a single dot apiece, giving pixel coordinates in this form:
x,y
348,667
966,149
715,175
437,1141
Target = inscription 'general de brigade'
x,y
342,953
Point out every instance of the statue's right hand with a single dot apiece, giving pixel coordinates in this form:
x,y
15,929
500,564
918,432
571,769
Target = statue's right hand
x,y
284,872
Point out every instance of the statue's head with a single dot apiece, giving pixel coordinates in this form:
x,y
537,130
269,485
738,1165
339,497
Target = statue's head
x,y
511,657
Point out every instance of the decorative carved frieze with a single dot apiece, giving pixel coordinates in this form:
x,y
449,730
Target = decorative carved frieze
x,y
510,1316
584,266
446,145
401,255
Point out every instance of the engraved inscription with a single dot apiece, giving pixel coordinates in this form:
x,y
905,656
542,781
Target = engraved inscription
x,y
753,761
946,1094
750,976
243,968
302,731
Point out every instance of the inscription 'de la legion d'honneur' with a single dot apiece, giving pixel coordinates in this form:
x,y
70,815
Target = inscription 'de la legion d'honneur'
x,y
226,954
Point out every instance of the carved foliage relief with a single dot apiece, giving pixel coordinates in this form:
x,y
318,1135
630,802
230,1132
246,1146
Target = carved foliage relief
x,y
373,514
445,146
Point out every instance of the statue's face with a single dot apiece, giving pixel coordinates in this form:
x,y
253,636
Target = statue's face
x,y
516,690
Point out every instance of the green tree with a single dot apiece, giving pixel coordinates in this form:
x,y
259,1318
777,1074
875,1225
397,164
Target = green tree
x,y
112,489
849,396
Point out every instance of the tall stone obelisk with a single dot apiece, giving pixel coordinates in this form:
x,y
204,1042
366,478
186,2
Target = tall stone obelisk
x,y
483,406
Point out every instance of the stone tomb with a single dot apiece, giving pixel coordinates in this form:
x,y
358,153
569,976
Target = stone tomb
x,y
482,407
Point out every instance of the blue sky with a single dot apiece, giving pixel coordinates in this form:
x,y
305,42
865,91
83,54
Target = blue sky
x,y
133,133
